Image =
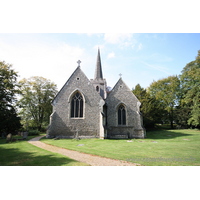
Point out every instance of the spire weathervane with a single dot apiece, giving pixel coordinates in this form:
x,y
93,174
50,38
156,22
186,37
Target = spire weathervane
x,y
78,63
120,75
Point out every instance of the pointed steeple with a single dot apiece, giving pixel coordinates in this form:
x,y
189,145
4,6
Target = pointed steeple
x,y
98,71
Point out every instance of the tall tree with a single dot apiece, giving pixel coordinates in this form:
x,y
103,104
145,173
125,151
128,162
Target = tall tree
x,y
167,91
151,108
190,83
9,121
35,102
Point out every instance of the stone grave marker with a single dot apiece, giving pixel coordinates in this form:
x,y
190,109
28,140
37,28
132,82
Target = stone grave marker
x,y
3,135
25,135
9,138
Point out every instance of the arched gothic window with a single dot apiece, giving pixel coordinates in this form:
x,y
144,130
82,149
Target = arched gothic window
x,y
77,105
121,115
97,88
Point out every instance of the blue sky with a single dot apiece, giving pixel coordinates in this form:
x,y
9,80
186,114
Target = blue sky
x,y
140,57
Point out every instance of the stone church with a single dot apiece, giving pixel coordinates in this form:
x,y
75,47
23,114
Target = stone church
x,y
83,108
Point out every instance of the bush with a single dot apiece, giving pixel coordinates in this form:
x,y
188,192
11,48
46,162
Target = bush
x,y
33,132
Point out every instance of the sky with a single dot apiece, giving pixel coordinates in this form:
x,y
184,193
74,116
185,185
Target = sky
x,y
141,58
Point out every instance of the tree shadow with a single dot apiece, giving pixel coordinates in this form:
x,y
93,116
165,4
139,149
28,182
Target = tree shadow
x,y
16,157
165,134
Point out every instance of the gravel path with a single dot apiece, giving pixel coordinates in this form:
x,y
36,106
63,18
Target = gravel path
x,y
92,160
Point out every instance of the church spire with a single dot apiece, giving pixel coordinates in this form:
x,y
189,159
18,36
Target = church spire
x,y
98,71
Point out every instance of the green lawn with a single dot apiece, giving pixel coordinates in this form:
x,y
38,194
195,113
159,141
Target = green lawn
x,y
21,153
164,147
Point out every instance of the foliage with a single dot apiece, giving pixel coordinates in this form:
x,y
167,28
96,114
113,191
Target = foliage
x,y
190,82
33,132
35,103
182,114
150,108
9,121
167,92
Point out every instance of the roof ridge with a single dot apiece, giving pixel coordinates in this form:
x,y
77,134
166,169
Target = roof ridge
x,y
65,83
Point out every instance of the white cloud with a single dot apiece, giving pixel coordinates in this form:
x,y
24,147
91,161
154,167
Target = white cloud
x,y
123,39
111,55
140,46
54,62
157,67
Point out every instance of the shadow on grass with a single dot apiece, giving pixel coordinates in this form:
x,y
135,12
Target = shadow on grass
x,y
12,156
165,134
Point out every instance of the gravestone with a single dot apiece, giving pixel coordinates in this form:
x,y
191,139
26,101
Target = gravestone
x,y
25,135
9,138
3,135
77,137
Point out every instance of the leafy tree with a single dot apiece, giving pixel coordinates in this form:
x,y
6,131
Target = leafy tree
x,y
167,91
190,83
182,113
35,102
9,121
151,108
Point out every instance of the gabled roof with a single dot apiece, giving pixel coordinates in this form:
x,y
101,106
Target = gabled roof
x,y
78,68
120,82
65,83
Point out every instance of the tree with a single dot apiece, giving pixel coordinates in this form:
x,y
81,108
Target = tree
x,y
35,103
9,121
167,91
182,113
190,83
151,109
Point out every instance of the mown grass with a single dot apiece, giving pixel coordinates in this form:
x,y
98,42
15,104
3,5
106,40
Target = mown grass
x,y
160,148
21,153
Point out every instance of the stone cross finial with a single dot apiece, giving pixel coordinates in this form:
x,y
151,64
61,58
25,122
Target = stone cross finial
x,y
120,75
78,63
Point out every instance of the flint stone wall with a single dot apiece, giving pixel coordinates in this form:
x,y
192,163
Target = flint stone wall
x,y
61,124
121,94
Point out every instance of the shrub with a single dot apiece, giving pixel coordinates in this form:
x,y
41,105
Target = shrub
x,y
33,132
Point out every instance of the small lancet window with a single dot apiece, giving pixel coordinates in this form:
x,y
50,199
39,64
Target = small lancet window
x,y
77,106
121,115
97,88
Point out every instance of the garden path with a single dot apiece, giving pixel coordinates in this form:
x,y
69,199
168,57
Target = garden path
x,y
92,160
